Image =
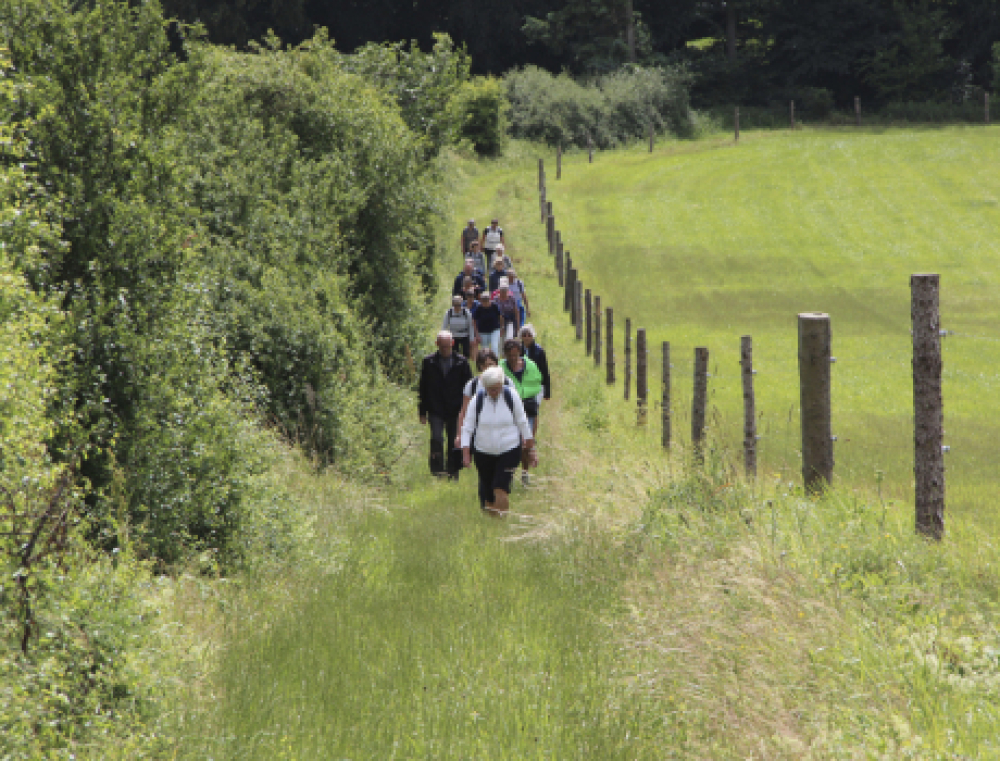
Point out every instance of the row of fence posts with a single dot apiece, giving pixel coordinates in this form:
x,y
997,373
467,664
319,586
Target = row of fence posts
x,y
857,117
815,360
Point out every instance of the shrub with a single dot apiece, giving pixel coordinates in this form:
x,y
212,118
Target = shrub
x,y
609,109
480,110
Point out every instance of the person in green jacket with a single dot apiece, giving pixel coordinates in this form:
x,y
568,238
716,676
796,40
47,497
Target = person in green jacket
x,y
527,380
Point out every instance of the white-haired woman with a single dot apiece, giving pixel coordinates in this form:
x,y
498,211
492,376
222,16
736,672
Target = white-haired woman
x,y
496,418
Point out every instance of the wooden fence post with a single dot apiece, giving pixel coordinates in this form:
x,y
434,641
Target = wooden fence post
x,y
665,399
628,356
857,110
578,307
699,401
590,150
550,231
559,260
609,349
749,408
543,206
737,123
986,103
541,175
928,416
597,332
588,309
651,136
641,390
791,113
567,290
814,401
559,162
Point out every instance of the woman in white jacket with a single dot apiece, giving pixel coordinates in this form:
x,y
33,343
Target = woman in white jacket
x,y
495,417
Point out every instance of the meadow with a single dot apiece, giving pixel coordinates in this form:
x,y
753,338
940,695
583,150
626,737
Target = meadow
x,y
637,606
703,243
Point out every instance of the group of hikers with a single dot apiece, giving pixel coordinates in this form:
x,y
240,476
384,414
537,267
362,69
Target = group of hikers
x,y
490,419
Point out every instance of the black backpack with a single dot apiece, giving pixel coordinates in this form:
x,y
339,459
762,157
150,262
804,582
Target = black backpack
x,y
481,400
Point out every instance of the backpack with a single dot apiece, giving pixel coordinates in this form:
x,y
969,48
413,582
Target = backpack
x,y
465,312
481,399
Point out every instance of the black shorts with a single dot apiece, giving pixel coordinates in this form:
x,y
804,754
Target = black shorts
x,y
496,471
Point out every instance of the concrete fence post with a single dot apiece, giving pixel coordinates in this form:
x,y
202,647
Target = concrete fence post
x,y
928,414
749,408
699,401
641,364
814,401
665,397
597,332
609,350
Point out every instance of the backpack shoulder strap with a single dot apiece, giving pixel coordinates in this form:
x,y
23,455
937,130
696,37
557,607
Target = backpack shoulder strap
x,y
508,398
480,401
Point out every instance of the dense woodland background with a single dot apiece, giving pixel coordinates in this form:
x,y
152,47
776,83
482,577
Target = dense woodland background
x,y
747,51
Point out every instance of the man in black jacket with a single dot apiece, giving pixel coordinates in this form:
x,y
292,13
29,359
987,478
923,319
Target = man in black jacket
x,y
443,376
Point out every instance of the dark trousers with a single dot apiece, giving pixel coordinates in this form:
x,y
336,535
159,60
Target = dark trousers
x,y
443,430
462,346
496,471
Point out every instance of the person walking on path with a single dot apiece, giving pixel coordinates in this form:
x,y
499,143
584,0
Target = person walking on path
x,y
478,260
468,271
536,354
527,380
488,323
498,271
492,237
520,294
484,362
458,322
502,440
443,375
469,234
507,305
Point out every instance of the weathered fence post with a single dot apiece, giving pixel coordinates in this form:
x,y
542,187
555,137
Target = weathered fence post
x,y
737,123
543,206
559,259
550,231
986,103
641,390
651,134
928,416
559,162
665,398
791,113
749,408
609,349
567,303
628,356
814,400
590,150
857,110
699,401
588,308
578,307
597,332
541,175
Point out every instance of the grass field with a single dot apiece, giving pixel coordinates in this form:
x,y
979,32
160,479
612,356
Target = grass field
x,y
635,607
701,243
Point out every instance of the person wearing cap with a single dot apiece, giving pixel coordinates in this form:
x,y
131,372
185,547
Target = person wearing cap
x,y
468,271
507,305
501,252
469,234
443,376
458,322
536,354
487,323
503,439
520,293
478,259
492,237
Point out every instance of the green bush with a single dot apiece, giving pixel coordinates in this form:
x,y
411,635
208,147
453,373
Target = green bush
x,y
480,112
609,110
